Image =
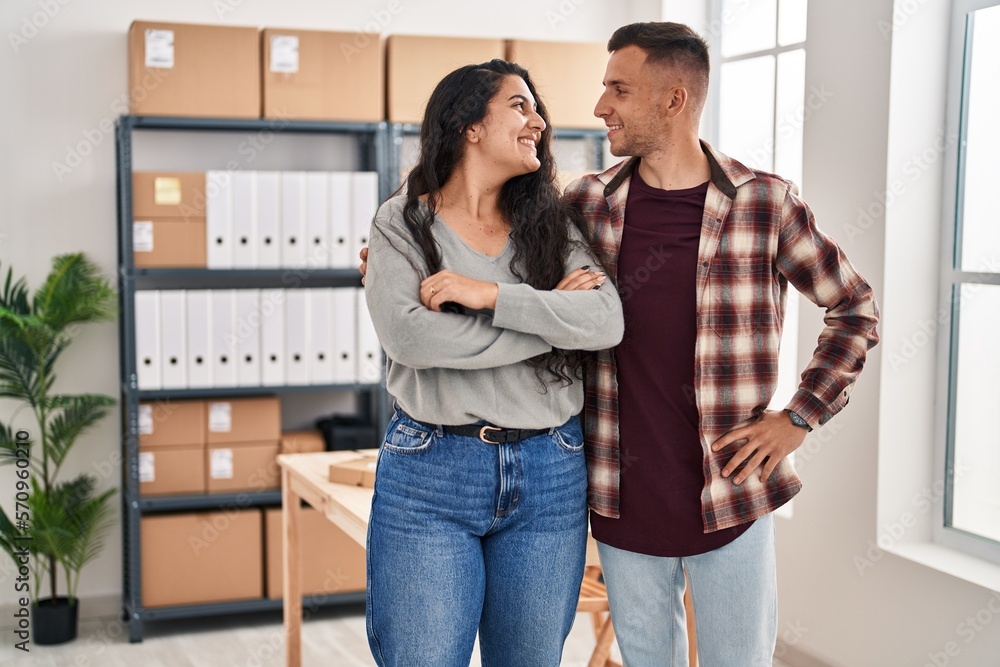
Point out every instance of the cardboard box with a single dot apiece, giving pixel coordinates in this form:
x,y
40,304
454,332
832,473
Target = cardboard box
x,y
316,75
203,557
356,472
170,243
302,442
251,466
171,423
331,563
415,65
243,420
171,470
180,69
157,194
568,77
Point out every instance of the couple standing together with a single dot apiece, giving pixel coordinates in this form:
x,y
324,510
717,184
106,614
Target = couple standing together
x,y
495,301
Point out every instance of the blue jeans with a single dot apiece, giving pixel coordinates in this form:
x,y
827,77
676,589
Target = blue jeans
x,y
733,591
468,536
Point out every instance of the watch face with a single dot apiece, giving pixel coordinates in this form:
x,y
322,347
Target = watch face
x,y
797,420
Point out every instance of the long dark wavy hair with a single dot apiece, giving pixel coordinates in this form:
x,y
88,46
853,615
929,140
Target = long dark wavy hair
x,y
529,203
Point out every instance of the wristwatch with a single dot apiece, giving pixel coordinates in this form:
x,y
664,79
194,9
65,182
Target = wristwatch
x,y
798,421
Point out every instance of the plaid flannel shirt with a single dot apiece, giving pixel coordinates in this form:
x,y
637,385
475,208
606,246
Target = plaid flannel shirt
x,y
756,237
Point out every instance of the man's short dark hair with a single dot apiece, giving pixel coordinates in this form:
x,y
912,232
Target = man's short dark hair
x,y
672,44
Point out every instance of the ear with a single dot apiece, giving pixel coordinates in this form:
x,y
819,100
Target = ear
x,y
473,133
676,100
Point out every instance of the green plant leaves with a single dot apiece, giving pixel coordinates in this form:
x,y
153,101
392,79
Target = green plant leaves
x,y
69,520
72,415
74,292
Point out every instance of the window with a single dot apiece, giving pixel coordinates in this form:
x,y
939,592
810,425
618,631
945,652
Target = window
x,y
761,65
970,289
759,69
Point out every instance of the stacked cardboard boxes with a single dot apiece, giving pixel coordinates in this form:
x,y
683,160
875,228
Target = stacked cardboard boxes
x,y
216,446
242,444
168,209
171,447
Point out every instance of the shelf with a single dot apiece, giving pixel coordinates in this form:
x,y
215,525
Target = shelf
x,y
203,501
289,278
244,124
246,606
212,392
570,133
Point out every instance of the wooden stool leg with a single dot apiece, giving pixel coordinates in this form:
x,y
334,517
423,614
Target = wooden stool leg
x,y
602,652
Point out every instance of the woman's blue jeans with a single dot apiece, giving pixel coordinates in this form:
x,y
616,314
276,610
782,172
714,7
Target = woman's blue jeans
x,y
465,536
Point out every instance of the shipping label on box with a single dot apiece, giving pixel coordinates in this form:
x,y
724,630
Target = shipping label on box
x,y
160,48
221,464
220,417
284,54
355,472
147,467
145,419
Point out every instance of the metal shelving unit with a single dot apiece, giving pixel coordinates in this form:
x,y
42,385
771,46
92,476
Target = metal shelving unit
x,y
397,131
373,155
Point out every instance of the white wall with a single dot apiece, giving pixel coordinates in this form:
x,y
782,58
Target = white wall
x,y
60,87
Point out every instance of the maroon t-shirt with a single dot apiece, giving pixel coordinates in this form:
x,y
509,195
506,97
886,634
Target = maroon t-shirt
x,y
661,474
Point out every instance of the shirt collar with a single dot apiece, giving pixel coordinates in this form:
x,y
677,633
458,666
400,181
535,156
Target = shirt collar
x,y
727,173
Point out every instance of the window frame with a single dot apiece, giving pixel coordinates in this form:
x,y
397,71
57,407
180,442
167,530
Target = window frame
x,y
952,276
718,60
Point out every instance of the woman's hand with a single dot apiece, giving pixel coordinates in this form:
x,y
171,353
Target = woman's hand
x,y
446,286
582,279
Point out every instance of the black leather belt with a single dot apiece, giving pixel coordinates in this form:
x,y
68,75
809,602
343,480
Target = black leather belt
x,y
494,435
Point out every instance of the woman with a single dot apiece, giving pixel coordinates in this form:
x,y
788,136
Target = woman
x,y
479,514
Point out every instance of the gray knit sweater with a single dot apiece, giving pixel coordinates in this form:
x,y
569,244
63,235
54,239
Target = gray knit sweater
x,y
447,368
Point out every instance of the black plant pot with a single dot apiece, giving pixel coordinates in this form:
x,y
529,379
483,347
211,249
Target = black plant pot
x,y
54,623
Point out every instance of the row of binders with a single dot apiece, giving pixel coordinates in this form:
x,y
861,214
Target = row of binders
x,y
252,219
190,339
271,219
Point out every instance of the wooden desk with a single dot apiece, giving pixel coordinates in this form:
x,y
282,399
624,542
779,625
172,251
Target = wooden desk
x,y
305,477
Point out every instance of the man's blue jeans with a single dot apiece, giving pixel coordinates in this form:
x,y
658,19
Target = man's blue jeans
x,y
466,536
734,595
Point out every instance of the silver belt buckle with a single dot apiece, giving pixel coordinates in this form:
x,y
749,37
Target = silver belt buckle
x,y
482,434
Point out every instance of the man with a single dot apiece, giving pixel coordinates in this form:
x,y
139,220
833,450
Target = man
x,y
686,463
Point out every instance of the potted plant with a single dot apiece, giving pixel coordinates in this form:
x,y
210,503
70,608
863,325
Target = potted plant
x,y
67,520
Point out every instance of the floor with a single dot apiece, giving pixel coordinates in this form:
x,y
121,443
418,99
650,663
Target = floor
x,y
333,638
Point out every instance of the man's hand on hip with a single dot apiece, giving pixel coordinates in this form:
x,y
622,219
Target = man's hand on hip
x,y
768,440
